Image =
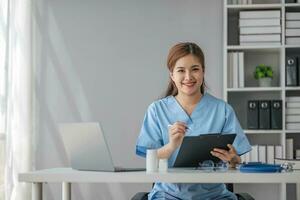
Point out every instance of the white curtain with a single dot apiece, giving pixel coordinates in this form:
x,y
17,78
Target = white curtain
x,y
19,100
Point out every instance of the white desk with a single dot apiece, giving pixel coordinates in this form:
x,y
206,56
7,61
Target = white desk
x,y
67,176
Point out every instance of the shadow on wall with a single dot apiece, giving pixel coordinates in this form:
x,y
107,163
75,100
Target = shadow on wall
x,y
54,62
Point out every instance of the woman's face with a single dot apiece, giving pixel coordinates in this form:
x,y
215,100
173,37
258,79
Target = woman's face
x,y
188,75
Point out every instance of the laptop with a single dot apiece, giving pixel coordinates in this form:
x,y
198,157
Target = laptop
x,y
87,149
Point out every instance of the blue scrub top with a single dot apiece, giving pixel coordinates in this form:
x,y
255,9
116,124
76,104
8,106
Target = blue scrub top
x,y
211,115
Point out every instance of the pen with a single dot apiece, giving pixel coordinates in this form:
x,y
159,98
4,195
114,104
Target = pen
x,y
188,128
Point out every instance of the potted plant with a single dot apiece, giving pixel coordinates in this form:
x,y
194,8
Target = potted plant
x,y
264,74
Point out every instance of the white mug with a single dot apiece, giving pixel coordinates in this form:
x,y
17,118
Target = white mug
x,y
163,165
151,160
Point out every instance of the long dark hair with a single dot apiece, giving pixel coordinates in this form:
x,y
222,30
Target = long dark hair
x,y
178,51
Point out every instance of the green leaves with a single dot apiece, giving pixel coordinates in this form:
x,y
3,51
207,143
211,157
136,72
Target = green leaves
x,y
262,71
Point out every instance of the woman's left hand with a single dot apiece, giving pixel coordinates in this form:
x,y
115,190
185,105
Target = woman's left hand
x,y
230,156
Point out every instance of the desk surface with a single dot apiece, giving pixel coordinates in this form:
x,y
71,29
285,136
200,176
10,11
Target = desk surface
x,y
172,176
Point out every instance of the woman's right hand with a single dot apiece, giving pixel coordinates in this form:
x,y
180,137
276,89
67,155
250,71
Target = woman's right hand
x,y
176,134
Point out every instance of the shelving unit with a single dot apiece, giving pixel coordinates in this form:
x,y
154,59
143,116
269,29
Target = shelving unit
x,y
274,55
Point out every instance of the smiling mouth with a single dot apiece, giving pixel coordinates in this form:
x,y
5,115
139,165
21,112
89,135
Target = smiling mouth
x,y
189,84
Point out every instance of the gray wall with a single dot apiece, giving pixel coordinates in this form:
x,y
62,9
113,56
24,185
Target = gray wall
x,y
105,61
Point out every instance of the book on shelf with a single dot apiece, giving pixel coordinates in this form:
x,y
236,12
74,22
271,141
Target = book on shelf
x,y
293,126
260,43
293,104
292,40
261,38
292,16
259,22
292,32
260,14
294,162
260,30
292,111
293,99
292,118
292,24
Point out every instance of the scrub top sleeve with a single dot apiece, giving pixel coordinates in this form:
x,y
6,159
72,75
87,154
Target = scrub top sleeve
x,y
232,125
150,134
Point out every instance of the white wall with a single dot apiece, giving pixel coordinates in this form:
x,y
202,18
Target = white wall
x,y
106,61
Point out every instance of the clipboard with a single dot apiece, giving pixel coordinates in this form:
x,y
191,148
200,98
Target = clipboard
x,y
195,149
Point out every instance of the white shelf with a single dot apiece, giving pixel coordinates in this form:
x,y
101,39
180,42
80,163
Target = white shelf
x,y
292,131
254,6
292,88
254,89
292,5
263,131
292,46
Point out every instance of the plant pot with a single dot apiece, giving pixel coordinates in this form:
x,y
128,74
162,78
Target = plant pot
x,y
265,82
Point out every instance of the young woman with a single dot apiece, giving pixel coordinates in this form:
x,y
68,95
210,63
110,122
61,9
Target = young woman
x,y
187,110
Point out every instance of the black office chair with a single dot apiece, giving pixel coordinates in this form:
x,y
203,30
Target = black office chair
x,y
241,196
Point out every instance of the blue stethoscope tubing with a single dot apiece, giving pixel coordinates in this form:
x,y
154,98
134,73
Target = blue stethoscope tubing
x,y
263,168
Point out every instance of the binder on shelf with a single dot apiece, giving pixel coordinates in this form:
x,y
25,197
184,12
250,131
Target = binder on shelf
x,y
247,157
254,154
291,71
290,1
262,154
270,154
297,153
278,151
252,115
264,114
230,70
276,114
235,70
289,148
241,69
